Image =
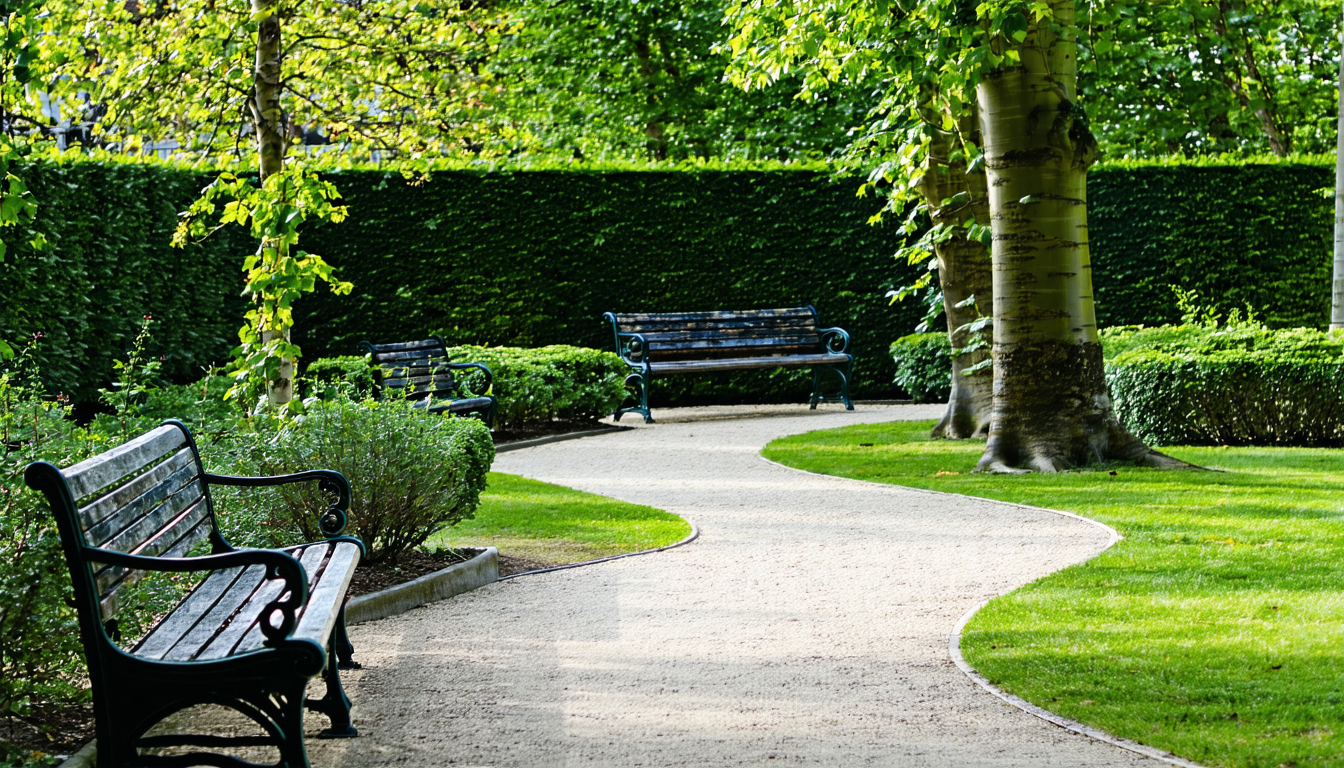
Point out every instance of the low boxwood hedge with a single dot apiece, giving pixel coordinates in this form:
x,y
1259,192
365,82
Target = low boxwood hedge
x,y
532,385
1194,383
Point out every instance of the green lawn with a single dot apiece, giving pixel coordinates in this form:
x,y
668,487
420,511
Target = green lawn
x,y
540,521
1215,630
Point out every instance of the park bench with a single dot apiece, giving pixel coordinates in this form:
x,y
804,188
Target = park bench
x,y
695,342
252,633
420,370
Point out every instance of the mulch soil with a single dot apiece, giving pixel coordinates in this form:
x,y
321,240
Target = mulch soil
x,y
533,430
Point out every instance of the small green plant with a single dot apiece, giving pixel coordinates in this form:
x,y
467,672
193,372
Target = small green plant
x,y
554,382
138,374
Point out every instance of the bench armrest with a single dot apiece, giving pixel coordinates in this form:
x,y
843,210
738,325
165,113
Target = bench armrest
x,y
633,349
333,521
279,565
835,340
483,368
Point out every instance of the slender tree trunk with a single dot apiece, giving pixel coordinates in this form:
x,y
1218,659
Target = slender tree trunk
x,y
964,273
1337,288
1051,405
268,122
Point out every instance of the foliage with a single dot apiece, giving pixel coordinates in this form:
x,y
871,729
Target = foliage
x,y
458,252
540,521
352,371
412,473
393,76
612,78
924,366
534,258
1236,385
553,382
109,265
34,584
276,274
1222,597
1240,76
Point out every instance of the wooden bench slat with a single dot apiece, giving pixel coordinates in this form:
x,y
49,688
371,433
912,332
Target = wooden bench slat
x,y
245,634
190,613
216,619
98,510
688,366
139,506
681,334
464,405
133,532
401,346
738,343
410,354
715,315
717,327
319,617
98,472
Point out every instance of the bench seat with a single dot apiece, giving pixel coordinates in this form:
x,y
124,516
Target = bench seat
x,y
668,343
221,616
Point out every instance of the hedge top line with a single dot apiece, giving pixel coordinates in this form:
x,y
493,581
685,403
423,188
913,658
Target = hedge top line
x,y
331,163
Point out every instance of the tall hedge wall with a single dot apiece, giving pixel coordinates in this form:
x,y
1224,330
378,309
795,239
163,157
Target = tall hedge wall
x,y
110,264
1257,234
535,257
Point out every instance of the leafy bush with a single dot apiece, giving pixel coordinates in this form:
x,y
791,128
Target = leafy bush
x,y
352,371
924,366
555,382
1240,385
412,473
40,652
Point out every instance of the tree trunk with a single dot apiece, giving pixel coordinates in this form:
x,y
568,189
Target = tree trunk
x,y
964,273
1051,407
268,122
1337,288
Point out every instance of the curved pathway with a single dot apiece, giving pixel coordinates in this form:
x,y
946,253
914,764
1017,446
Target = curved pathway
x,y
807,626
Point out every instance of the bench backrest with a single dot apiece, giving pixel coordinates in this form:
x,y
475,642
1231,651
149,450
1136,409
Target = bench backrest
x,y
418,369
701,335
145,497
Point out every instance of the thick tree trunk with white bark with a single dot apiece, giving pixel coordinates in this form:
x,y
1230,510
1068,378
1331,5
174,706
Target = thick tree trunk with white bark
x,y
1052,409
964,273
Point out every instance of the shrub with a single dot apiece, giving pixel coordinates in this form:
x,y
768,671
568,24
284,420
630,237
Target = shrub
x,y
924,366
555,382
352,371
412,474
1201,385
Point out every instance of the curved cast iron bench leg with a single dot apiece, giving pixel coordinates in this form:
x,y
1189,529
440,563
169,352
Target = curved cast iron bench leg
x,y
641,387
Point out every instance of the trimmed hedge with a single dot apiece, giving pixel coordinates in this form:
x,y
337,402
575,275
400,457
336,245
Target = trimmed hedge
x,y
531,258
109,265
531,385
555,382
1257,235
924,366
1243,385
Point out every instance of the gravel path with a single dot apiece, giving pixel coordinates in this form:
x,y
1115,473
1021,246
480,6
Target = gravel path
x,y
808,625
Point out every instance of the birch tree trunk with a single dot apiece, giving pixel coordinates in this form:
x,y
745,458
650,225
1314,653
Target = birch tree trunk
x,y
1051,406
964,273
268,122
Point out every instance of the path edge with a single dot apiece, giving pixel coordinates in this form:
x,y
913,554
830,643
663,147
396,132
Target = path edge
x,y
954,642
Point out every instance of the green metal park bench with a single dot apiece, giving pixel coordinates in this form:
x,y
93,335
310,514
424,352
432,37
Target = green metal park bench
x,y
662,344
420,370
258,626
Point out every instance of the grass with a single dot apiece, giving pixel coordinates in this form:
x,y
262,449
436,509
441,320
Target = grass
x,y
1213,630
540,521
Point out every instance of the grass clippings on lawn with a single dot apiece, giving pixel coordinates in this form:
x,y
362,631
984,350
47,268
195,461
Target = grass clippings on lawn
x,y
1213,630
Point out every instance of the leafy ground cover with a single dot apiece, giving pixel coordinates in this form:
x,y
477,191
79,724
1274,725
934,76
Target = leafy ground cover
x,y
552,525
1212,630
